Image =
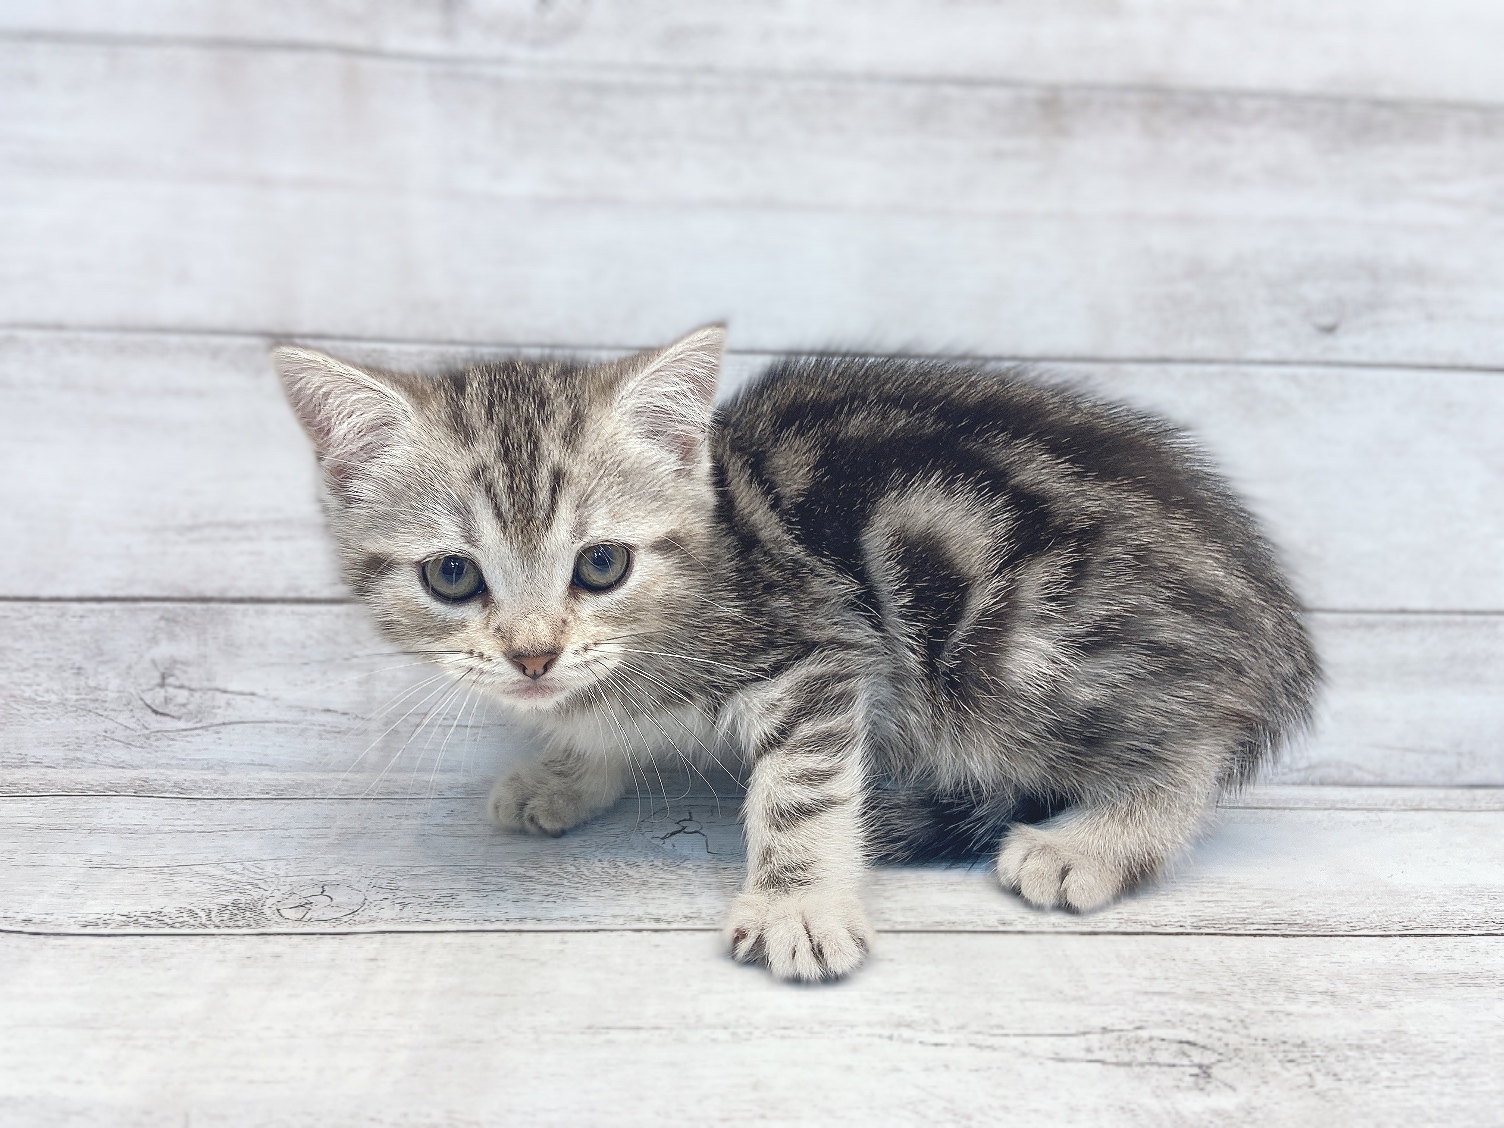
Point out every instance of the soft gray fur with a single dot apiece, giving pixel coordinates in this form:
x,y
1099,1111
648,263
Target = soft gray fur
x,y
936,609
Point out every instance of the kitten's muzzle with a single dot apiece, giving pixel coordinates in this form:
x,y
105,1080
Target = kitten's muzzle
x,y
533,665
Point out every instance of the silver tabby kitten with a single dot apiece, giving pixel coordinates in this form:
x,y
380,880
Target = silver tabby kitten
x,y
939,611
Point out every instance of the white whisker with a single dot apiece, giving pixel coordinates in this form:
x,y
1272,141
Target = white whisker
x,y
424,683
686,658
646,746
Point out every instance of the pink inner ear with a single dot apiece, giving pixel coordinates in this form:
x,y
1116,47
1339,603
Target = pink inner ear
x,y
322,432
343,461
685,445
346,431
669,401
350,416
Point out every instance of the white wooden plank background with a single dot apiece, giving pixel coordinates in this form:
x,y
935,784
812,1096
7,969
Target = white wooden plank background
x,y
217,188
1276,223
953,1029
1442,50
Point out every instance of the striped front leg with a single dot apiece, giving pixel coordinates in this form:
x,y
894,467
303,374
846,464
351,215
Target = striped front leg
x,y
799,912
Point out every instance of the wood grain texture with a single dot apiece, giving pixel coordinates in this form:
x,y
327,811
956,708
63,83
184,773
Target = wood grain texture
x,y
279,865
169,465
228,699
277,699
1382,48
652,1028
1197,179
297,192
1364,797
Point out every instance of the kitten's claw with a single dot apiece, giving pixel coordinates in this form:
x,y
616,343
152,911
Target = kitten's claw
x,y
537,801
1048,871
809,934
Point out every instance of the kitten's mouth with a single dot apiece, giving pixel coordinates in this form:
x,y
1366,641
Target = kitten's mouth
x,y
531,692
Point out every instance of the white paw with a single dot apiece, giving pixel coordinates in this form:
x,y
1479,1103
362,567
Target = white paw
x,y
1048,871
539,801
809,934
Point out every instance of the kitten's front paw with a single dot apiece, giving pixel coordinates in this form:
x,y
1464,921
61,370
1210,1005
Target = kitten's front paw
x,y
809,934
538,801
1048,871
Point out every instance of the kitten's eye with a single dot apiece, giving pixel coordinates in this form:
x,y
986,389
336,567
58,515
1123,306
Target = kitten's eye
x,y
452,578
602,566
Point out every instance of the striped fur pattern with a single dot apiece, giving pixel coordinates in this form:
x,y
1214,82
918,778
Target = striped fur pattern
x,y
937,610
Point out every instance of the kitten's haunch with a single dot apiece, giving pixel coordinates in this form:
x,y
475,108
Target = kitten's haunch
x,y
938,610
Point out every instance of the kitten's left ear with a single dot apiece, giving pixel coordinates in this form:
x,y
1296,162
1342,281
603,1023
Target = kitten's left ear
x,y
667,396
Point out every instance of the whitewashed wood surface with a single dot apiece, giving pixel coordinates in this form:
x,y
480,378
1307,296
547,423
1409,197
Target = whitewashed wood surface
x,y
1442,50
1279,224
210,187
940,1029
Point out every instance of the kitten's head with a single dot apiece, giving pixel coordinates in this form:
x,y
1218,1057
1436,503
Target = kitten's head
x,y
531,524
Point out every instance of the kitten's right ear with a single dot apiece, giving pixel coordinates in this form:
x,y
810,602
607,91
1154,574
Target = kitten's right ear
x,y
351,415
667,395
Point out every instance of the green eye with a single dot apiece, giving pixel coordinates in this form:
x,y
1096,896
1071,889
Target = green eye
x,y
602,566
452,578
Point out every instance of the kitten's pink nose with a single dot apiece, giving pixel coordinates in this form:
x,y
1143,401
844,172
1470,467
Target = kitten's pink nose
x,y
533,665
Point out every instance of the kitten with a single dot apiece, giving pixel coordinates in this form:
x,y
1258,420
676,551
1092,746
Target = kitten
x,y
939,611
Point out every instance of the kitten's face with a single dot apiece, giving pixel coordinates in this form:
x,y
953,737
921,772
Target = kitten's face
x,y
533,527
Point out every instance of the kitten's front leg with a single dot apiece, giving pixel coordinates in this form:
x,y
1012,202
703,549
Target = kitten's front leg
x,y
799,912
558,792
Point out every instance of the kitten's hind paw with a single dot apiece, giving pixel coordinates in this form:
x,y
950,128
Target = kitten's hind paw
x,y
1050,872
806,934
